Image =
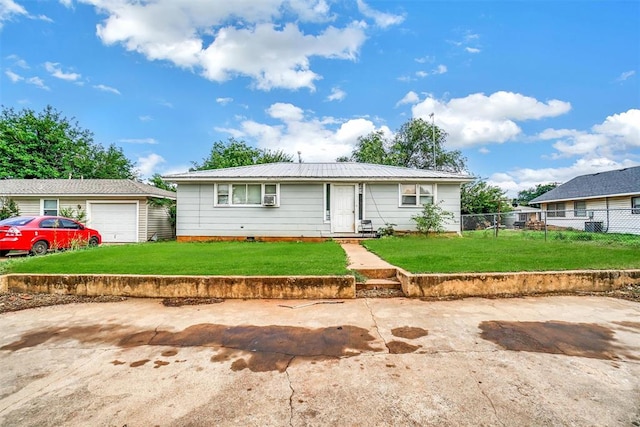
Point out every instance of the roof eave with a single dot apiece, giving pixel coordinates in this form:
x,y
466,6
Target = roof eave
x,y
192,180
601,196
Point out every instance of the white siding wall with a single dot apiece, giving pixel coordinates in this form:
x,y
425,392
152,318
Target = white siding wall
x,y
617,219
300,214
301,211
159,223
382,206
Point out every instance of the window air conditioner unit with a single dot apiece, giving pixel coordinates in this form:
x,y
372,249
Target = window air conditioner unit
x,y
269,200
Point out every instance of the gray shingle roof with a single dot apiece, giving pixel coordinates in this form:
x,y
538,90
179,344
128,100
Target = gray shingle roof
x,y
77,187
603,184
316,171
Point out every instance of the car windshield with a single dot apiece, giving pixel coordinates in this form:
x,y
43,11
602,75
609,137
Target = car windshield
x,y
18,220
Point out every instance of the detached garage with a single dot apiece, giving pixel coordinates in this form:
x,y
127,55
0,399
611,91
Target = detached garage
x,y
119,209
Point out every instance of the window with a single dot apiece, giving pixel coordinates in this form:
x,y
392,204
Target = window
x,y
635,205
555,210
50,207
416,194
327,202
244,194
579,208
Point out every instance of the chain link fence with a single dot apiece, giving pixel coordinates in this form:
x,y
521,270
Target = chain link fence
x,y
593,224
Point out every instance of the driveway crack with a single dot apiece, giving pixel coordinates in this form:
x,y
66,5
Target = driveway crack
x,y
375,323
495,412
286,371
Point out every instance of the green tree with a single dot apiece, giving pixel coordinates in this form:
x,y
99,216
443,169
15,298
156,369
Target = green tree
x,y
8,208
479,197
237,153
432,219
417,144
48,145
169,205
525,196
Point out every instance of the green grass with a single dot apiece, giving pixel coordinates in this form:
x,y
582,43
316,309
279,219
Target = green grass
x,y
172,258
480,252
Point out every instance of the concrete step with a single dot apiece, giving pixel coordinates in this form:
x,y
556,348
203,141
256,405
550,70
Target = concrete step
x,y
377,273
379,284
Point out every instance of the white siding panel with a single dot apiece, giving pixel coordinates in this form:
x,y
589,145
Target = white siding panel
x,y
382,206
300,214
158,222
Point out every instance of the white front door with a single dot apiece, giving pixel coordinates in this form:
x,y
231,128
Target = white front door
x,y
343,209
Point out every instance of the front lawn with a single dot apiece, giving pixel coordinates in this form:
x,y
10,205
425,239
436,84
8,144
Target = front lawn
x,y
479,253
212,258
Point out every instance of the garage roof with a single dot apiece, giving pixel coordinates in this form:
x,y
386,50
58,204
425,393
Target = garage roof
x,y
77,187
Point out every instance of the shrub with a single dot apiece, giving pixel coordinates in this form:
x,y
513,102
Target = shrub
x,y
432,218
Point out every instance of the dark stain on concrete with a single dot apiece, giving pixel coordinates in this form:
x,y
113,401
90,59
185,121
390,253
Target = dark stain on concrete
x,y
117,362
554,337
258,348
159,363
169,353
632,326
139,363
400,347
409,332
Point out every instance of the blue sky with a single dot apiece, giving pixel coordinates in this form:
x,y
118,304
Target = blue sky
x,y
530,91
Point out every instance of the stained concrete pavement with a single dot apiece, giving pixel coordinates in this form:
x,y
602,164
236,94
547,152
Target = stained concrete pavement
x,y
523,361
360,258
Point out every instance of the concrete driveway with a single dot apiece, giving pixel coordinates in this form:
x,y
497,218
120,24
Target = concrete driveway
x,y
511,362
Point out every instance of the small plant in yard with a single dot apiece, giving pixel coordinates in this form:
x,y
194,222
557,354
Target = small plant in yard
x,y
432,219
387,230
8,208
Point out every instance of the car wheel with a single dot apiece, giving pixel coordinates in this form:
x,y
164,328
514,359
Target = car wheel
x,y
39,248
93,241
4,253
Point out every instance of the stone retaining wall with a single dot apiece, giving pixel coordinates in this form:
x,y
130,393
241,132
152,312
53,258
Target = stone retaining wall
x,y
295,287
522,283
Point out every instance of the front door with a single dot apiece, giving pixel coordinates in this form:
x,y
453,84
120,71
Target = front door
x,y
343,209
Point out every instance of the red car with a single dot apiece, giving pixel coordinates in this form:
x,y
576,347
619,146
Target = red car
x,y
39,234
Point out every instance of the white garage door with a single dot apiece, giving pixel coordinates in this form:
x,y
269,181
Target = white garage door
x,y
116,222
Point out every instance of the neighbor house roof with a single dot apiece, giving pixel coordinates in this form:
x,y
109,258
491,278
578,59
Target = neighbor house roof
x,y
344,171
619,182
80,187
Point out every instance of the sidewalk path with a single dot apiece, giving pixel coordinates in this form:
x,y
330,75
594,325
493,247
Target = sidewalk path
x,y
360,258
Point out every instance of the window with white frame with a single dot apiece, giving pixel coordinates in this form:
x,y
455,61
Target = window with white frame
x,y
580,208
246,194
556,210
416,194
50,207
635,205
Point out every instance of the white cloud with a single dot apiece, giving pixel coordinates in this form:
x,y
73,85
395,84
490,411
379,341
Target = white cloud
x,y
54,69
422,74
105,88
13,76
44,18
624,76
224,101
18,62
147,165
618,133
425,59
484,150
150,141
472,49
410,98
381,19
38,82
440,69
9,9
606,146
248,37
478,119
319,139
337,94
145,118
